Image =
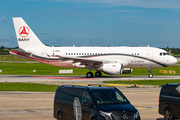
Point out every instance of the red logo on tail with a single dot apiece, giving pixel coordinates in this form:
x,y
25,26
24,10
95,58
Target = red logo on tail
x,y
23,31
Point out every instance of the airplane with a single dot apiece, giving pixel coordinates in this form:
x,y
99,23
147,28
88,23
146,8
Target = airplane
x,y
110,60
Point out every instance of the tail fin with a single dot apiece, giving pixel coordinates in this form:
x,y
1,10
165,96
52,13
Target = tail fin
x,y
25,36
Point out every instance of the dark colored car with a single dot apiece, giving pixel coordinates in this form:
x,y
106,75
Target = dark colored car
x,y
169,101
92,103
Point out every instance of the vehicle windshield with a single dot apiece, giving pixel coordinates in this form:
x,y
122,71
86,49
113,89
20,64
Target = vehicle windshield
x,y
109,97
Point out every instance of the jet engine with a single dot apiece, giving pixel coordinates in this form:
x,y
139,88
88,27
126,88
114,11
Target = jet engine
x,y
127,70
111,68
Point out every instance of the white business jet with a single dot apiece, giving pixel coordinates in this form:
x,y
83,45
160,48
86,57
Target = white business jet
x,y
110,60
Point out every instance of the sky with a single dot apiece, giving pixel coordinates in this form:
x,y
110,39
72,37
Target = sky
x,y
94,22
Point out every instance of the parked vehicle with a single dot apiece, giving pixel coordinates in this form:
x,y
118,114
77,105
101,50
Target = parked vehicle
x,y
169,101
92,103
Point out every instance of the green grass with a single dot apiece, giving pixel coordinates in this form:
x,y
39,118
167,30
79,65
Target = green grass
x,y
155,71
27,87
52,88
10,57
41,69
143,82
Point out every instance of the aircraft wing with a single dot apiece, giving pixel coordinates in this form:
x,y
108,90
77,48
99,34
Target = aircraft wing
x,y
88,61
84,61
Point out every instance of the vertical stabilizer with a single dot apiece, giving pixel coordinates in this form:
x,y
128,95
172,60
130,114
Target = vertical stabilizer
x,y
25,36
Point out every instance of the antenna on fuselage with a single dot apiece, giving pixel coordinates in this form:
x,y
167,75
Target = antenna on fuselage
x,y
167,47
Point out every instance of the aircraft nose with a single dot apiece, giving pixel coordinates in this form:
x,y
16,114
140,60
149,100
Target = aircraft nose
x,y
173,61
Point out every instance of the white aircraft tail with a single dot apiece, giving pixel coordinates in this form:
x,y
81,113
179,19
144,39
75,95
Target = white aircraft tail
x,y
25,36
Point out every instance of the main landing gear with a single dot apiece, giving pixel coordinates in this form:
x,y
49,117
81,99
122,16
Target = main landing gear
x,y
90,74
150,74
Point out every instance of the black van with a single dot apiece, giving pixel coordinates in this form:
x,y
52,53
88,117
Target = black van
x,y
169,101
92,103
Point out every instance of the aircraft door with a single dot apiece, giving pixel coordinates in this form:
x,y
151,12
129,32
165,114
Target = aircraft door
x,y
150,54
44,53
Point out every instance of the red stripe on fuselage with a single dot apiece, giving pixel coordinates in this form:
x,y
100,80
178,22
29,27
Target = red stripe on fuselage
x,y
32,58
12,52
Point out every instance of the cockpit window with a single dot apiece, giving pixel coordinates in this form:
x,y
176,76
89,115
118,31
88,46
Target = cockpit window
x,y
163,53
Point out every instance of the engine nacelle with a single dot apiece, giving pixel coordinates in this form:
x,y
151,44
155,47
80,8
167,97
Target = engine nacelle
x,y
111,68
127,70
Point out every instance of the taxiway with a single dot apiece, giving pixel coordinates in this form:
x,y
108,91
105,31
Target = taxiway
x,y
40,78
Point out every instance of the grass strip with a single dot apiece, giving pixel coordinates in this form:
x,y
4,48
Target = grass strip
x,y
143,82
10,57
27,87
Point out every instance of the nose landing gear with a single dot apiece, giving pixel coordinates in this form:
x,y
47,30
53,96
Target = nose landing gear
x,y
150,74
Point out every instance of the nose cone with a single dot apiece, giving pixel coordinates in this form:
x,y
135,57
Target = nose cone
x,y
173,61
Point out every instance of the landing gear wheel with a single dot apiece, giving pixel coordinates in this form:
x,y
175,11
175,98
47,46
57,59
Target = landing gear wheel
x,y
150,75
89,75
98,74
60,116
168,115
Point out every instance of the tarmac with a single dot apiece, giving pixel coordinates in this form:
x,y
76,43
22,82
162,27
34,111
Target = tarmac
x,y
54,79
39,105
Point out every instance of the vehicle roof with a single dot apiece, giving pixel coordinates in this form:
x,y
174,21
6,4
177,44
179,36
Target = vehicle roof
x,y
171,84
89,87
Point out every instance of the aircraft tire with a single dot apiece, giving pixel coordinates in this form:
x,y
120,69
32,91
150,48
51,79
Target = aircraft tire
x,y
150,76
98,74
89,75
